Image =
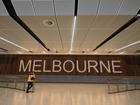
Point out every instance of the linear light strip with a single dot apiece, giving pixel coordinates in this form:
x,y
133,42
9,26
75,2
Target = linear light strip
x,y
13,44
127,46
73,33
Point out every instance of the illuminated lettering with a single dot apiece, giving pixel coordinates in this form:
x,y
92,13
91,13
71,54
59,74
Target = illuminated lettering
x,y
56,66
107,67
92,64
72,66
23,67
115,66
35,65
78,66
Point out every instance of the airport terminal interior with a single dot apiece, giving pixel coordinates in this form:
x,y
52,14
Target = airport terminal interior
x,y
69,52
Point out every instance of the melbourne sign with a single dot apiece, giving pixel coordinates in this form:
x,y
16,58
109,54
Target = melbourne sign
x,y
96,65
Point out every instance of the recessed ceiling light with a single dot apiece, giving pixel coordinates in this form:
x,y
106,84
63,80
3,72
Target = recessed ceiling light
x,y
88,50
44,52
48,23
83,51
95,52
18,52
123,52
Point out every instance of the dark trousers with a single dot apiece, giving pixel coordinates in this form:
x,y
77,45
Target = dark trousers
x,y
30,85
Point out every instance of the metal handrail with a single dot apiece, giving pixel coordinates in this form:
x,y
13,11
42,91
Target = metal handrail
x,y
12,79
117,88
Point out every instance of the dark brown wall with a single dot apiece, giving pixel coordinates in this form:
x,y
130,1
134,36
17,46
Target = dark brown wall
x,y
130,64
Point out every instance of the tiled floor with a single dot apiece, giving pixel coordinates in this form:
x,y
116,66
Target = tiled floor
x,y
68,94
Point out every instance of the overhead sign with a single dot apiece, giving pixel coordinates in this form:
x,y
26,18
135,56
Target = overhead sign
x,y
96,65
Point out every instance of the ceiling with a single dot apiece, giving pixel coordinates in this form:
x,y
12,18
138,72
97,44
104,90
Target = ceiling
x,y
96,20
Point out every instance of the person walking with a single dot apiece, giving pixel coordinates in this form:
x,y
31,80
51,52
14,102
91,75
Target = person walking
x,y
30,81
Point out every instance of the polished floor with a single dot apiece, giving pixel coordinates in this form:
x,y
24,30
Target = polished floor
x,y
68,94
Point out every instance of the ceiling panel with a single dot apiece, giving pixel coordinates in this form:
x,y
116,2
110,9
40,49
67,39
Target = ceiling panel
x,y
119,20
85,22
132,49
127,36
20,37
65,26
65,22
87,7
135,26
23,8
124,38
103,21
32,45
9,47
78,39
64,7
43,7
66,37
110,21
39,22
20,0
91,30
109,7
130,7
50,38
95,36
3,11
106,30
7,22
46,7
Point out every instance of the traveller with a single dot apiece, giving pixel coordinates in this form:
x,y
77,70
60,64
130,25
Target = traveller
x,y
30,81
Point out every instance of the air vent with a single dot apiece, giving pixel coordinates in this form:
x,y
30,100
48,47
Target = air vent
x,y
48,23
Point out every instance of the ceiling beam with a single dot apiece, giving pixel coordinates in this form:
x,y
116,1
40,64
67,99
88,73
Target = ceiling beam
x,y
76,8
123,27
3,49
10,8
